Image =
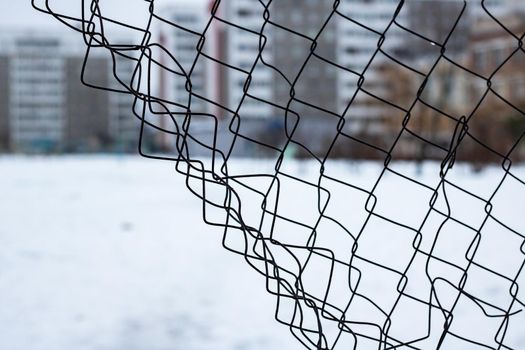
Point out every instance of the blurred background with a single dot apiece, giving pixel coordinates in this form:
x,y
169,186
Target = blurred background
x,y
93,254
46,110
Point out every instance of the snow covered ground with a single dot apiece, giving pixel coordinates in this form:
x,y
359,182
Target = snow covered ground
x,y
111,253
107,253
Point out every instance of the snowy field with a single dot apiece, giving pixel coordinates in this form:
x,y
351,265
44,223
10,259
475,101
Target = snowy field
x,y
110,253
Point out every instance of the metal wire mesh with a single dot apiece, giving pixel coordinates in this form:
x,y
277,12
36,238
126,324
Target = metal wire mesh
x,y
350,264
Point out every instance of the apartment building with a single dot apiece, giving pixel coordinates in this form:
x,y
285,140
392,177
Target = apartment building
x,y
181,33
47,109
271,73
243,54
36,91
362,26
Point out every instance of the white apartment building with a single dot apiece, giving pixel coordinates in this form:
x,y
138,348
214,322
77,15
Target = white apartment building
x,y
48,109
211,71
242,49
356,46
181,32
36,89
123,124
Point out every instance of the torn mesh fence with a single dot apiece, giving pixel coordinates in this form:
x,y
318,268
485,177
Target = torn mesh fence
x,y
348,265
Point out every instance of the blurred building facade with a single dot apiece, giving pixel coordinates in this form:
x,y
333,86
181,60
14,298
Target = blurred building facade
x,y
266,70
360,27
494,53
242,55
479,77
262,78
46,108
181,34
363,67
